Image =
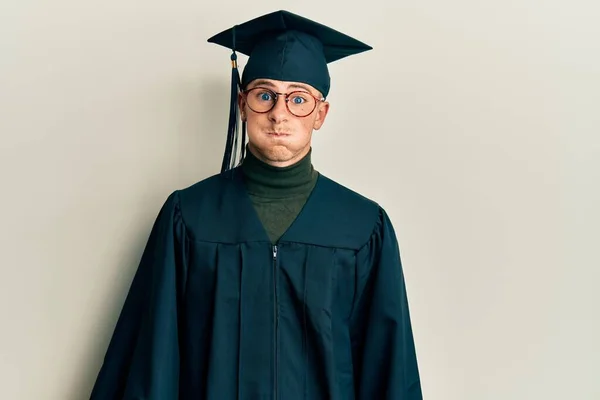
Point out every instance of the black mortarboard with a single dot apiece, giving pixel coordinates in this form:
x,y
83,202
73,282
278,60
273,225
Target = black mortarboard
x,y
281,46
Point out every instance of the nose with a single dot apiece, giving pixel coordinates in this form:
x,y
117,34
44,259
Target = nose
x,y
279,112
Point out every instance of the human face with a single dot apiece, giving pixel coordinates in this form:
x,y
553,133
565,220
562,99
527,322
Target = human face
x,y
278,137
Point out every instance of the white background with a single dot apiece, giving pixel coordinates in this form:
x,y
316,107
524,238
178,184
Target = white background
x,y
476,124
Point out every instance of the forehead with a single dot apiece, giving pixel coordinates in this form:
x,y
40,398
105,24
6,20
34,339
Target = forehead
x,y
282,86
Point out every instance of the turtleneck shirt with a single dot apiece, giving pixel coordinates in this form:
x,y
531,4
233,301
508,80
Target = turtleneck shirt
x,y
278,193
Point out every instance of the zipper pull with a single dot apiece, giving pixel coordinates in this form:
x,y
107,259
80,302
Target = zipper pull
x,y
275,252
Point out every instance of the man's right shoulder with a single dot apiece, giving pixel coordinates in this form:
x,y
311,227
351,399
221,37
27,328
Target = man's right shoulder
x,y
208,189
210,208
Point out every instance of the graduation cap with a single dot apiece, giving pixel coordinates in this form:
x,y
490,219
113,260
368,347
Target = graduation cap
x,y
281,46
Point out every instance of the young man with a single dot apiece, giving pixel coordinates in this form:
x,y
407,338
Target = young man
x,y
268,280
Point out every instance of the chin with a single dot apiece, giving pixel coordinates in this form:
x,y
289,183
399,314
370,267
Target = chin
x,y
277,153
273,152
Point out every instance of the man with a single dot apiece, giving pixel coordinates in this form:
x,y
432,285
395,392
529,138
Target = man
x,y
268,280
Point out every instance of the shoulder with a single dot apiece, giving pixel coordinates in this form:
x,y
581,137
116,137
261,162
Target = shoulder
x,y
205,186
338,216
347,201
206,192
204,199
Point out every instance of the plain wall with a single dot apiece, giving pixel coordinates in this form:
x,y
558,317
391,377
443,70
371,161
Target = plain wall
x,y
476,124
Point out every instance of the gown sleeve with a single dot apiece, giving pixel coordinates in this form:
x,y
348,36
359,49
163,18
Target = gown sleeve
x,y
383,349
142,360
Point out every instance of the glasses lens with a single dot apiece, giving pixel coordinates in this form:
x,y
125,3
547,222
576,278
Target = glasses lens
x,y
261,99
301,103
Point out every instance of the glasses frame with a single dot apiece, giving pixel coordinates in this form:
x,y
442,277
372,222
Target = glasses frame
x,y
286,97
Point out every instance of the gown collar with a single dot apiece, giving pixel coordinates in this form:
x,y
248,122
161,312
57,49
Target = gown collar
x,y
250,222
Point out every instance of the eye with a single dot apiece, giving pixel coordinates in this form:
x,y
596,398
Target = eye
x,y
298,99
263,95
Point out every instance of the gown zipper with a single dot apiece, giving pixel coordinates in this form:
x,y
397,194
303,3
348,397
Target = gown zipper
x,y
276,317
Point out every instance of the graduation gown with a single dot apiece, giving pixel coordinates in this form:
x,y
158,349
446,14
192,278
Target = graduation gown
x,y
216,311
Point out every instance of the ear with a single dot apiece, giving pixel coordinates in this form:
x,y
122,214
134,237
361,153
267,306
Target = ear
x,y
242,106
322,110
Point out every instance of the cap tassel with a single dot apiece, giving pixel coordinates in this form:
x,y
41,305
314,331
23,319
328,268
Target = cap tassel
x,y
231,144
238,145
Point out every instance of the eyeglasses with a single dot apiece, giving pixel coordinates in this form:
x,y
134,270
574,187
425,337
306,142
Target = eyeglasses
x,y
298,103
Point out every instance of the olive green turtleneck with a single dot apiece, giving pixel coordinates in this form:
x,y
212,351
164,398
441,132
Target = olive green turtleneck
x,y
278,193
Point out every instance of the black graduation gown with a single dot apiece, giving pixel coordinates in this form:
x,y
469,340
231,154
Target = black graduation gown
x,y
215,311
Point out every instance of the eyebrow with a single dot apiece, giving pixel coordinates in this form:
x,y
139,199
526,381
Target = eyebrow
x,y
262,82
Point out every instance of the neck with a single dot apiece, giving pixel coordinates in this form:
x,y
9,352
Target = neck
x,y
279,164
271,181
